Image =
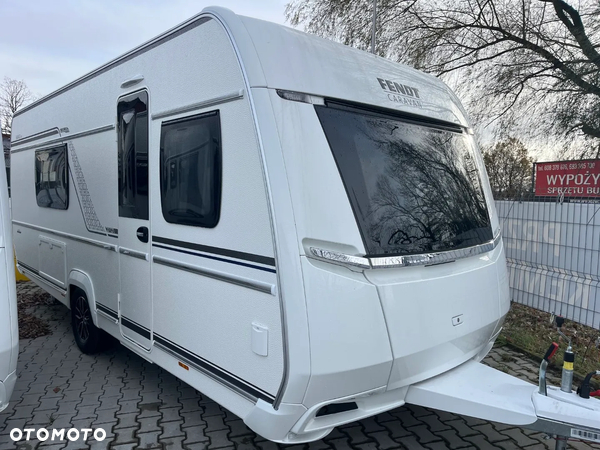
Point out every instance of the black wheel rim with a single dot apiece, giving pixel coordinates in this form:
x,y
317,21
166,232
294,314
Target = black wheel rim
x,y
83,319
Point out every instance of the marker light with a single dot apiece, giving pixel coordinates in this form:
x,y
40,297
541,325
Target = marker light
x,y
301,97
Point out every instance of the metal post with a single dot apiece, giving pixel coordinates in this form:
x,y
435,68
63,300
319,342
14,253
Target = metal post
x,y
374,26
542,389
561,443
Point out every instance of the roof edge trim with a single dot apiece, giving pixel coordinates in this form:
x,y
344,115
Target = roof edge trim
x,y
177,30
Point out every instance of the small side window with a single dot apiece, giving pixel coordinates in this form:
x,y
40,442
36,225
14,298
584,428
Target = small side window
x,y
190,167
51,178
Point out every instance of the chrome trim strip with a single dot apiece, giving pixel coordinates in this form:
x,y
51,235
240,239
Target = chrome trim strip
x,y
135,346
203,104
103,245
106,316
68,137
331,256
89,132
133,253
41,279
273,220
36,136
434,258
207,373
260,286
403,261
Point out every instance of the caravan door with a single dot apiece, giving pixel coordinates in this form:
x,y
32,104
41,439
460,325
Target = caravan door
x,y
135,307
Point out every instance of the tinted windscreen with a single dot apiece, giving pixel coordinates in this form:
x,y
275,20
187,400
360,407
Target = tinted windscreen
x,y
414,188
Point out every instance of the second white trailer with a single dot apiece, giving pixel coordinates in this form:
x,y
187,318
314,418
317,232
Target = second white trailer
x,y
300,230
9,333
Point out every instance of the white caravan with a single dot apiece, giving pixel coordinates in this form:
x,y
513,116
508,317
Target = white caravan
x,y
9,334
300,230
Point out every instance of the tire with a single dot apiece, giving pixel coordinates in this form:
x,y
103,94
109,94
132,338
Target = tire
x,y
87,335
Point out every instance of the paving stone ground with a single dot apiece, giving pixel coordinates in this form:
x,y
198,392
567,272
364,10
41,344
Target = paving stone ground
x,y
139,405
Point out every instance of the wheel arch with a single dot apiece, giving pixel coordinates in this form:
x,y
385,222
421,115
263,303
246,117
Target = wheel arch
x,y
79,279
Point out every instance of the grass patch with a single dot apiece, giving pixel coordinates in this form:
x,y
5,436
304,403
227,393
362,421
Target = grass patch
x,y
533,331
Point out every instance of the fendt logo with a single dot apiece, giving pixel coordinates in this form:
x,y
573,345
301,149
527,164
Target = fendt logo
x,y
401,93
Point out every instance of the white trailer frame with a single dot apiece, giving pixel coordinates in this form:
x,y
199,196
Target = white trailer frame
x,y
9,332
262,280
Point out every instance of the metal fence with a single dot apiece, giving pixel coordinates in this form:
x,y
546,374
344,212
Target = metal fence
x,y
553,255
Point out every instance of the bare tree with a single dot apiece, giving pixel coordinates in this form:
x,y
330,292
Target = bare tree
x,y
13,95
527,66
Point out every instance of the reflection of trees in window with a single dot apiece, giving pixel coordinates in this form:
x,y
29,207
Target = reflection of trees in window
x,y
191,170
428,197
413,187
51,178
132,112
128,157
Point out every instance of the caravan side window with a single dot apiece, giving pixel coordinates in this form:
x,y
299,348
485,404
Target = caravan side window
x,y
190,167
51,178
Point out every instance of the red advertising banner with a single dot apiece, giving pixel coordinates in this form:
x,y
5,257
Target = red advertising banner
x,y
568,178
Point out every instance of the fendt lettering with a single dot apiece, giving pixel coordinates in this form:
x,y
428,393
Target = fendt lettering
x,y
392,86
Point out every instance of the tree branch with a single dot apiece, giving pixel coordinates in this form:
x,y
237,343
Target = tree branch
x,y
575,26
590,130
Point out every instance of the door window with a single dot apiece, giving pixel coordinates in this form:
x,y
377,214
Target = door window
x,y
133,156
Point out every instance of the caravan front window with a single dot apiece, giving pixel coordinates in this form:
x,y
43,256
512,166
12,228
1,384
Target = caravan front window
x,y
414,186
51,181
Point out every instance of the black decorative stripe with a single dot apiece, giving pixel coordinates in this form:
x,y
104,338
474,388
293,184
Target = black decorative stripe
x,y
25,266
139,329
217,251
36,272
211,368
237,263
106,310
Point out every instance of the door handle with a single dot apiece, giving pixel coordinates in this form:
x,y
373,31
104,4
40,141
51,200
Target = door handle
x,y
142,234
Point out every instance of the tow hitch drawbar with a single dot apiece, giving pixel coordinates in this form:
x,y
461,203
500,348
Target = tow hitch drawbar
x,y
476,390
553,406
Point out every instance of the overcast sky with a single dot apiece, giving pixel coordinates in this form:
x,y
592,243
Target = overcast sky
x,y
49,43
